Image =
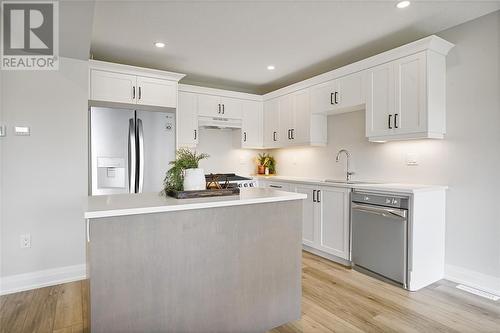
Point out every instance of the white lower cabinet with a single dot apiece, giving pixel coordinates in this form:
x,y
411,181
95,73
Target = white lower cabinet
x,y
325,219
309,214
282,186
333,221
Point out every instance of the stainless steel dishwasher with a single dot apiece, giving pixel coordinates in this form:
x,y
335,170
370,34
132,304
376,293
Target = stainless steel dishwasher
x,y
379,235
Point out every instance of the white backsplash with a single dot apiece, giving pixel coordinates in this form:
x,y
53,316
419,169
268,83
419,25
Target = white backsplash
x,y
226,155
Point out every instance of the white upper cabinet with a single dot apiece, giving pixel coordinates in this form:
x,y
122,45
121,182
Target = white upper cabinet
x,y
113,87
288,122
380,102
152,91
406,98
252,123
272,123
231,107
187,120
341,95
286,118
132,85
410,114
217,106
301,118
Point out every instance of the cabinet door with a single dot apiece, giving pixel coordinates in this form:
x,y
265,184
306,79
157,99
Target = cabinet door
x,y
301,118
112,87
380,100
322,97
334,221
157,92
286,119
231,107
209,105
187,120
309,225
350,92
271,123
252,122
410,115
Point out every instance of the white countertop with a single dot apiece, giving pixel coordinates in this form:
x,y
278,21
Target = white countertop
x,y
145,203
363,186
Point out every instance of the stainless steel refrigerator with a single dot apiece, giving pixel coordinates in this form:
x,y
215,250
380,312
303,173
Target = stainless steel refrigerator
x,y
130,150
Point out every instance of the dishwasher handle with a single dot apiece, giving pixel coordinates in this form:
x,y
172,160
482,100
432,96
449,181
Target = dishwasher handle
x,y
382,211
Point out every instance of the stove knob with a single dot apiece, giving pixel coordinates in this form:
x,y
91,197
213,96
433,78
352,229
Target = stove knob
x,y
251,185
245,185
239,185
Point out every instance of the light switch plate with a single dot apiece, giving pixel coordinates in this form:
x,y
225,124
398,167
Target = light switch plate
x,y
22,130
411,159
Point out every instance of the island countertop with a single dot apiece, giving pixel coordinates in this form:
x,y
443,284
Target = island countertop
x,y
145,203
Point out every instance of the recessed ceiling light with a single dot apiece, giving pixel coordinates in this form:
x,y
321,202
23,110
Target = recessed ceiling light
x,y
403,4
159,44
271,67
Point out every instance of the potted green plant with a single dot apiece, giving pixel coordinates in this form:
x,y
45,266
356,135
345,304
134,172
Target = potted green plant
x,y
266,164
185,174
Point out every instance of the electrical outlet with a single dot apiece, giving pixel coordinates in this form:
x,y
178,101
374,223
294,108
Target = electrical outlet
x,y
411,159
25,241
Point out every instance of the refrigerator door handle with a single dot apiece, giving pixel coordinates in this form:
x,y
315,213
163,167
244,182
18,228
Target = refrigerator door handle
x,y
131,156
140,161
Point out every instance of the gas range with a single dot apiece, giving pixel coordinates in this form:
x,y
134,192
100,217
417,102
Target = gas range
x,y
228,180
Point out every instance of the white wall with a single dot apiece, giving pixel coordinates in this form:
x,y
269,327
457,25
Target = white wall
x,y
44,176
226,155
467,159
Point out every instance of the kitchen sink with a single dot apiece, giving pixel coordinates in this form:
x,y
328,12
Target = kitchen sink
x,y
343,181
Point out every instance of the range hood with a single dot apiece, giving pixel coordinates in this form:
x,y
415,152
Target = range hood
x,y
218,123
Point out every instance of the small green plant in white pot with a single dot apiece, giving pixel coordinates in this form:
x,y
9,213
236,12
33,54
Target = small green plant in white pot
x,y
185,173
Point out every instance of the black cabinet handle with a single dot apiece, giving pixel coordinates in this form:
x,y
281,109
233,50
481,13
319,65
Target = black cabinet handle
x,y
395,120
223,109
389,122
335,98
293,133
133,92
219,109
244,136
318,196
274,136
331,99
314,196
289,137
195,134
140,93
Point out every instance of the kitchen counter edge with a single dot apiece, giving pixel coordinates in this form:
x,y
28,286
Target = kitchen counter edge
x,y
361,186
147,203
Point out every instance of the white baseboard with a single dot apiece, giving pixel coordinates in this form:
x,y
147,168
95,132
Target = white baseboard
x,y
488,283
49,277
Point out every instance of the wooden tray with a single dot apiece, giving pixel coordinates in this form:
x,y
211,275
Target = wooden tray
x,y
204,193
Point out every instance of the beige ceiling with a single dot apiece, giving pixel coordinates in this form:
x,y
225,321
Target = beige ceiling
x,y
229,44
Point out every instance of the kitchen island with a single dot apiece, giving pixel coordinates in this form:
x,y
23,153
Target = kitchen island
x,y
224,264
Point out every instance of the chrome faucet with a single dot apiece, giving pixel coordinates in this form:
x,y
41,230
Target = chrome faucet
x,y
348,156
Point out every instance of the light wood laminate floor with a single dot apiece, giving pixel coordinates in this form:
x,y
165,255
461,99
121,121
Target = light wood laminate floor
x,y
335,299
